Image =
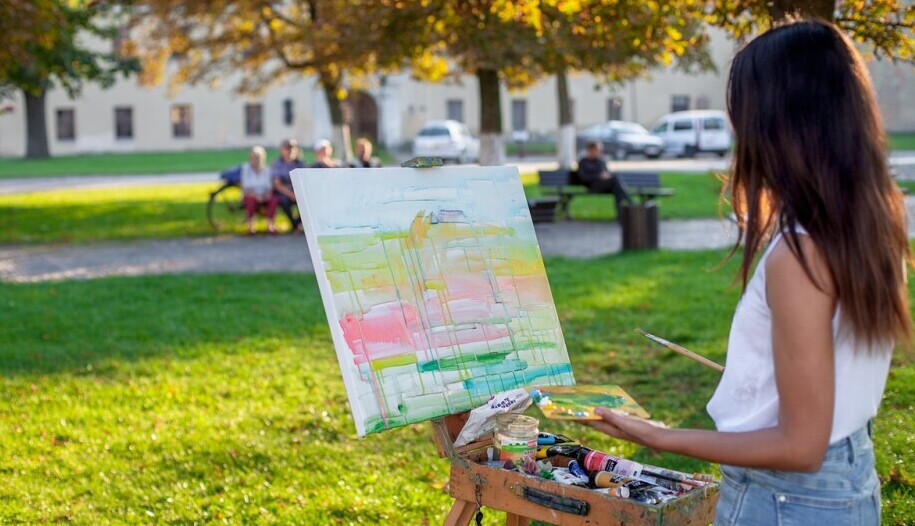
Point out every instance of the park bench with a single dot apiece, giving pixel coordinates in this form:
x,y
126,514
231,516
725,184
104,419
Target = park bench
x,y
564,185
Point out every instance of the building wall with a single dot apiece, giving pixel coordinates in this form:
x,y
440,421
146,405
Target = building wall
x,y
404,105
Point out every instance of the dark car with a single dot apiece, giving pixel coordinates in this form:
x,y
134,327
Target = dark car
x,y
621,139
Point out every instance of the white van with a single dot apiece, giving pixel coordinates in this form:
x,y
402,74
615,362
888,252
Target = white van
x,y
687,133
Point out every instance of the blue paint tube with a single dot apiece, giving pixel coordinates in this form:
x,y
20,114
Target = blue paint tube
x,y
576,470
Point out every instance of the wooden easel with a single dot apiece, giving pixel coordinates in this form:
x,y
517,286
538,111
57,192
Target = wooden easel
x,y
445,430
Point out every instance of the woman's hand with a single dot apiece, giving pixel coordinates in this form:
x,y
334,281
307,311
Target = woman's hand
x,y
626,428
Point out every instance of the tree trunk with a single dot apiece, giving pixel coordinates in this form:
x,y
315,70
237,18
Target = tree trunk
x,y
36,124
566,124
341,138
825,9
492,151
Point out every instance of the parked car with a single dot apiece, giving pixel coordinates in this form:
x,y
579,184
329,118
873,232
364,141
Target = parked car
x,y
450,140
687,133
622,139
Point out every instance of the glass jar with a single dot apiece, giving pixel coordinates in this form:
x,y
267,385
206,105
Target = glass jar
x,y
515,438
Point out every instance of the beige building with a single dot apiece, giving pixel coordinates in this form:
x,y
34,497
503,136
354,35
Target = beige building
x,y
129,117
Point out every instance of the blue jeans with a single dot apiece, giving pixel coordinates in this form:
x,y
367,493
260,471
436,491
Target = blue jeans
x,y
845,491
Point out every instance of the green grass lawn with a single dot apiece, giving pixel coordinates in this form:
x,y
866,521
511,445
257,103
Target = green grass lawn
x,y
902,141
217,398
86,215
110,214
141,163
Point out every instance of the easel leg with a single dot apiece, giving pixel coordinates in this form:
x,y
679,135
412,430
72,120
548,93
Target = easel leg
x,y
461,513
515,520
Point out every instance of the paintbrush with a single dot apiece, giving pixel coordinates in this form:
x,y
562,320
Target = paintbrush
x,y
681,350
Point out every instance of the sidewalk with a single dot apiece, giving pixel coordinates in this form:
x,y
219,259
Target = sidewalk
x,y
289,253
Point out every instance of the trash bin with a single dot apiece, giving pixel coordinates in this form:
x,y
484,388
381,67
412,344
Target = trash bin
x,y
639,222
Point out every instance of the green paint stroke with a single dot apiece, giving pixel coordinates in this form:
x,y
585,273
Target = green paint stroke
x,y
459,363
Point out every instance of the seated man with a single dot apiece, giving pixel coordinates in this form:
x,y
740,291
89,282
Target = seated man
x,y
593,173
282,184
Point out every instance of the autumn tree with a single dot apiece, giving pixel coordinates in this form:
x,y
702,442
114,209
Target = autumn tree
x,y
524,41
885,26
267,41
48,43
617,42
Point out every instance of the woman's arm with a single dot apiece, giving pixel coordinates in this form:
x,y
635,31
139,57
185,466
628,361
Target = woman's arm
x,y
804,372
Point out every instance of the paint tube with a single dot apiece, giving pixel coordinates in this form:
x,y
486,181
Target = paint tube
x,y
561,450
661,473
669,485
607,479
659,496
595,461
549,439
643,498
564,476
576,470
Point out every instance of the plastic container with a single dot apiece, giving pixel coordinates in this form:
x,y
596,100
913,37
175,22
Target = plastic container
x,y
515,438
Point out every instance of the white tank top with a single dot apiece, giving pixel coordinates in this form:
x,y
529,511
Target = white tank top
x,y
747,399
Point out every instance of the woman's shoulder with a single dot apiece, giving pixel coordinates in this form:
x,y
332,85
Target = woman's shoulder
x,y
784,262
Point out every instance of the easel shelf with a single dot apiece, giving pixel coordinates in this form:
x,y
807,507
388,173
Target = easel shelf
x,y
525,497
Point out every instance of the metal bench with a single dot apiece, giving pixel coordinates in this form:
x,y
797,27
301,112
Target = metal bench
x,y
644,185
565,185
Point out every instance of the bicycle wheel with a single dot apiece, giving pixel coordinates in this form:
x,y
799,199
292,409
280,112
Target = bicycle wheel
x,y
224,206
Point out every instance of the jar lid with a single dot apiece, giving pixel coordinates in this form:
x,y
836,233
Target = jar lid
x,y
514,421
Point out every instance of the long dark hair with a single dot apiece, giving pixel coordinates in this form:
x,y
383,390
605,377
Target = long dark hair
x,y
811,153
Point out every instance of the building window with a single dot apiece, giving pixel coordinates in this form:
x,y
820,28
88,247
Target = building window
x,y
181,120
455,110
519,114
679,102
66,125
614,109
288,113
702,102
254,119
123,123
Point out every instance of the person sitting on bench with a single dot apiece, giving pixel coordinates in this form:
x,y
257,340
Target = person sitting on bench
x,y
593,173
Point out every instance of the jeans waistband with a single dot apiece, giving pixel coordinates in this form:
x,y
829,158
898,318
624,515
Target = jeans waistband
x,y
851,446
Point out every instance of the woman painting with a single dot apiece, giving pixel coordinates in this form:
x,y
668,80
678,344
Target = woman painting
x,y
811,339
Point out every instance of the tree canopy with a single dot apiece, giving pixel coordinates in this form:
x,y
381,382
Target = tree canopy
x,y
47,44
884,26
269,40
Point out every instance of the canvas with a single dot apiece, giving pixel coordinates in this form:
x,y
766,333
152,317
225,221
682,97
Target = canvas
x,y
434,288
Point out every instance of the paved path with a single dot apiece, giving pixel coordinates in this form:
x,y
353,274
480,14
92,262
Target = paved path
x,y
289,253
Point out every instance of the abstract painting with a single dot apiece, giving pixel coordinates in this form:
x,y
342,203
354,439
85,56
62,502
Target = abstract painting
x,y
434,288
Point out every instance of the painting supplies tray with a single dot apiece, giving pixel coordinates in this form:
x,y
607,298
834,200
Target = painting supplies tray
x,y
533,497
578,402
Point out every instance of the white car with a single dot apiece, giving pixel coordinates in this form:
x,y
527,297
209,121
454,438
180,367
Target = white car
x,y
687,133
450,140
